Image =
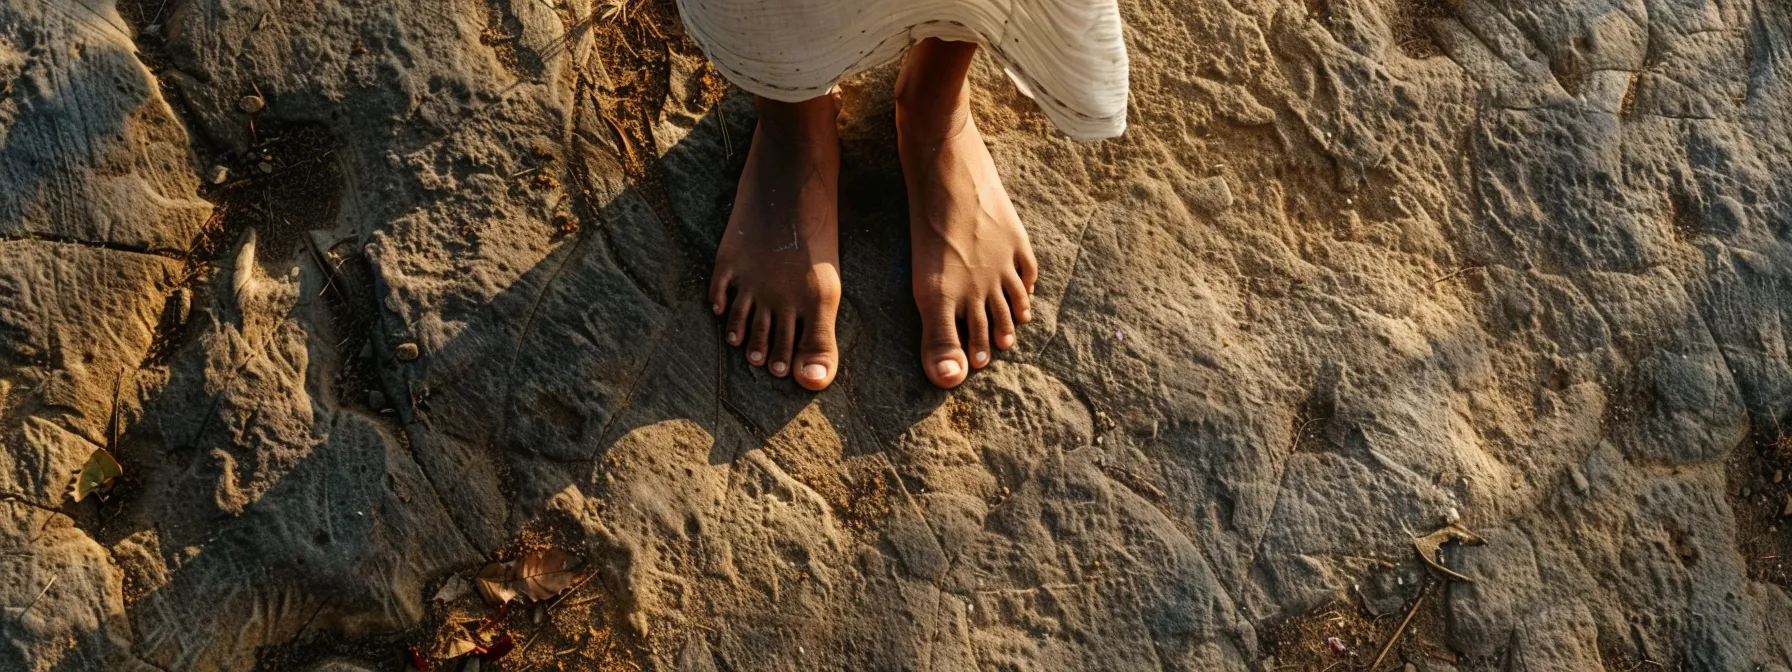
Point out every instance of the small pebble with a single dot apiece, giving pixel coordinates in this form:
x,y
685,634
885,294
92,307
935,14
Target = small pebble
x,y
406,352
1779,475
251,104
1788,510
218,175
376,400
1409,668
1451,516
1746,492
265,168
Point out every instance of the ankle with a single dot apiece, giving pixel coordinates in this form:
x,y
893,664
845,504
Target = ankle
x,y
808,121
932,115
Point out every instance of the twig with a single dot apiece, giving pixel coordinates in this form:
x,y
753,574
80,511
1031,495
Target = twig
x,y
548,612
584,600
1385,648
328,272
722,119
1455,273
40,595
112,428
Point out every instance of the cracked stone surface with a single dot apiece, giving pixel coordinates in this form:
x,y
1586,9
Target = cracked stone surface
x,y
1359,268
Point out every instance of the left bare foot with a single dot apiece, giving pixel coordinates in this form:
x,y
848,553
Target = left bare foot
x,y
972,261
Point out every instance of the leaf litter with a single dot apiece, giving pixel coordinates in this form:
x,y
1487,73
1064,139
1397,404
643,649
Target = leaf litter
x,y
537,576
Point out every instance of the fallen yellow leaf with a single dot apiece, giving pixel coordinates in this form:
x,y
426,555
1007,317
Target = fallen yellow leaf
x,y
97,475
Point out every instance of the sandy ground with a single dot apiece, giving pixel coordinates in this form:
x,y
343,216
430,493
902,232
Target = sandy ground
x,y
365,295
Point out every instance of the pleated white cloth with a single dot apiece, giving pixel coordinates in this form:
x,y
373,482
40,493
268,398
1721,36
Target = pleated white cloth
x,y
1067,55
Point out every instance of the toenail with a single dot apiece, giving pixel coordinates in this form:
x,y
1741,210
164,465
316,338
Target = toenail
x,y
717,309
980,358
1007,340
815,372
778,368
733,338
948,368
755,357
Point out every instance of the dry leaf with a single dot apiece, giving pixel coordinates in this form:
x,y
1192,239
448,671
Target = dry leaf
x,y
537,576
459,643
97,475
543,575
453,589
495,581
1429,545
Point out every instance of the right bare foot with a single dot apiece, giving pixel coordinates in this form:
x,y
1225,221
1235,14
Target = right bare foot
x,y
780,253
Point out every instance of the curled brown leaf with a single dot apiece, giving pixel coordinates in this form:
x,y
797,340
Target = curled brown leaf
x,y
494,582
1430,544
544,574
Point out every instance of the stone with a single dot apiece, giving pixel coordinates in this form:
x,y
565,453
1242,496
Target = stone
x,y
1348,270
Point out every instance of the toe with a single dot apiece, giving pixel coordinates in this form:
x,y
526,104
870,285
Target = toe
x,y
976,326
783,339
718,291
1027,266
1000,322
736,331
1020,299
758,341
817,358
941,356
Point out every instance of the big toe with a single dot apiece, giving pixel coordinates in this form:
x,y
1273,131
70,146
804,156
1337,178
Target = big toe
x,y
817,359
941,355
816,373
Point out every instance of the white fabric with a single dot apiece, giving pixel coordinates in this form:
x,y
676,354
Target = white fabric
x,y
1067,54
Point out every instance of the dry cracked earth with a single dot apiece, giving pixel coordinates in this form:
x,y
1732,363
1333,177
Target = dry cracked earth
x,y
365,294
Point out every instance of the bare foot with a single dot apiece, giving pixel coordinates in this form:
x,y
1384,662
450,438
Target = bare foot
x,y
972,261
780,253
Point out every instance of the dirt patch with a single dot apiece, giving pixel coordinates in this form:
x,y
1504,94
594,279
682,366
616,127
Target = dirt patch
x,y
1344,635
503,33
287,185
1760,492
354,313
1411,22
583,628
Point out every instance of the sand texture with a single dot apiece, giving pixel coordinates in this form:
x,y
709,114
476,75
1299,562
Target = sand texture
x,y
1358,269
